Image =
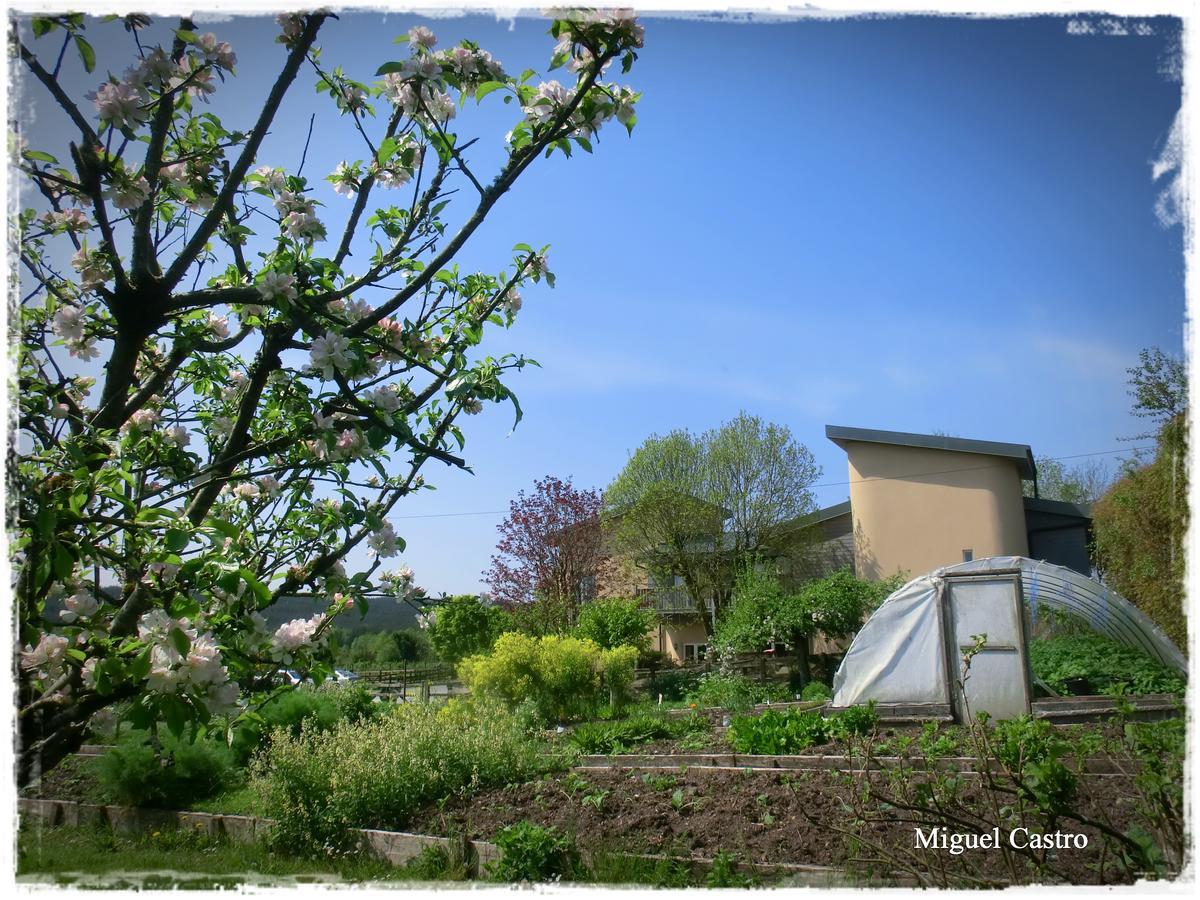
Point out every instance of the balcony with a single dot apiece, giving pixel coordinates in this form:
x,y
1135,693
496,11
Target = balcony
x,y
672,601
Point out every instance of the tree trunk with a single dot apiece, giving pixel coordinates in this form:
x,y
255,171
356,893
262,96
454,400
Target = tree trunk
x,y
49,734
800,645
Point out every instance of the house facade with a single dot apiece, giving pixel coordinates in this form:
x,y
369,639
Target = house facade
x,y
917,502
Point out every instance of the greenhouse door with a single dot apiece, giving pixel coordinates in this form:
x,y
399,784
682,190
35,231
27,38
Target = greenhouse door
x,y
997,681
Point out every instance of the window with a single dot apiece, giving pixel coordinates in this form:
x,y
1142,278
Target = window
x,y
694,652
968,555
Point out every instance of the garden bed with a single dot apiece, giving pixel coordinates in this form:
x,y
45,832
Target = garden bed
x,y
759,817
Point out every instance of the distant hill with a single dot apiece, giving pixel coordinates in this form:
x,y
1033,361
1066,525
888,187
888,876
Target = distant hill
x,y
383,613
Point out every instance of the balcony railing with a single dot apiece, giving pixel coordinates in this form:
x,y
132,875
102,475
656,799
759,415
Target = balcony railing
x,y
672,600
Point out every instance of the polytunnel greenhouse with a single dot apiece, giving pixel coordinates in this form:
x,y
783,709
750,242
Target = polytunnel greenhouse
x,y
911,651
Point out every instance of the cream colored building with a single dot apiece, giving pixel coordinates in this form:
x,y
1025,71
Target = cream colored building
x,y
920,501
917,502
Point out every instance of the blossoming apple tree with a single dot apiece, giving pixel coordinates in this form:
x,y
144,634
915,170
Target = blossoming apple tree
x,y
225,386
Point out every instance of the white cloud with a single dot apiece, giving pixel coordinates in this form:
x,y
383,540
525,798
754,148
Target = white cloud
x,y
1169,205
1090,358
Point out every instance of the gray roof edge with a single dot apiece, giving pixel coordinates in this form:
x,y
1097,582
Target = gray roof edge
x,y
1058,507
1022,453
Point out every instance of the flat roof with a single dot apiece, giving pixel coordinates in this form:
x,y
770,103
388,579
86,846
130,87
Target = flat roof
x,y
1021,454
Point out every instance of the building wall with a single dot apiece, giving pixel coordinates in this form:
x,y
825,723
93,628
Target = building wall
x,y
669,636
619,576
915,509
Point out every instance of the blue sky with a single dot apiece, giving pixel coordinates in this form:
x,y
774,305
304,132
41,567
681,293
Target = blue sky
x,y
907,223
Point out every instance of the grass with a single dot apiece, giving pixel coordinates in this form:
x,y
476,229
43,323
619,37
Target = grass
x,y
237,801
96,857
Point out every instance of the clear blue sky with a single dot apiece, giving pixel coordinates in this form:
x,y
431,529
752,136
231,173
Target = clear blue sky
x,y
909,223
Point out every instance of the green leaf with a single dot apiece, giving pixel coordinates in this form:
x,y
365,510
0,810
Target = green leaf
x,y
486,88
64,562
261,592
175,713
41,25
188,37
177,539
181,641
39,156
86,53
389,67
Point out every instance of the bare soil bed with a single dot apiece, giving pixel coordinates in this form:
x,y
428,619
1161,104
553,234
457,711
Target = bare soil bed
x,y
761,817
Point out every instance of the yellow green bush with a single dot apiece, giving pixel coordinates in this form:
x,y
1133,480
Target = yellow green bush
x,y
563,677
377,773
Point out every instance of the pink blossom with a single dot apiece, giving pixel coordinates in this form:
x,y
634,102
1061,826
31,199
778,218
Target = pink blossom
x,y
118,104
277,284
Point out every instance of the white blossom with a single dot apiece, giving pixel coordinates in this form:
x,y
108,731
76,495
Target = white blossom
x,y
420,36
329,352
80,605
128,193
68,323
119,104
275,285
218,326
383,542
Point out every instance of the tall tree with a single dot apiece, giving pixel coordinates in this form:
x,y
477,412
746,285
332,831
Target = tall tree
x,y
463,625
1141,523
1158,385
549,548
1084,482
697,507
275,373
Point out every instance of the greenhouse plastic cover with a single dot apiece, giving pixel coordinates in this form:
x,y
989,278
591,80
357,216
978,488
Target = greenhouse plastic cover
x,y
898,656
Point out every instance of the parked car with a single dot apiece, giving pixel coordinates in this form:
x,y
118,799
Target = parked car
x,y
345,675
290,676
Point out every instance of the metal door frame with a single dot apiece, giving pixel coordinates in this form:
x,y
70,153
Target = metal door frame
x,y
950,644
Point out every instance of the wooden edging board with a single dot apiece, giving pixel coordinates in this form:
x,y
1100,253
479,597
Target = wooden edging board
x,y
395,847
797,762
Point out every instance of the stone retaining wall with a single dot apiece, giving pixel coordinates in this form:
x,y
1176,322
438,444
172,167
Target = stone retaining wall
x,y
395,847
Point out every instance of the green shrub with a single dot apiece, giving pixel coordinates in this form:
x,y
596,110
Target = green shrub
x,y
321,707
735,692
857,720
377,772
778,732
616,622
619,735
532,853
816,690
134,773
1106,664
565,677
1032,749
673,686
774,731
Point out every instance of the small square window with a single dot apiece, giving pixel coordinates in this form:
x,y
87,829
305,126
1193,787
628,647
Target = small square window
x,y
968,555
